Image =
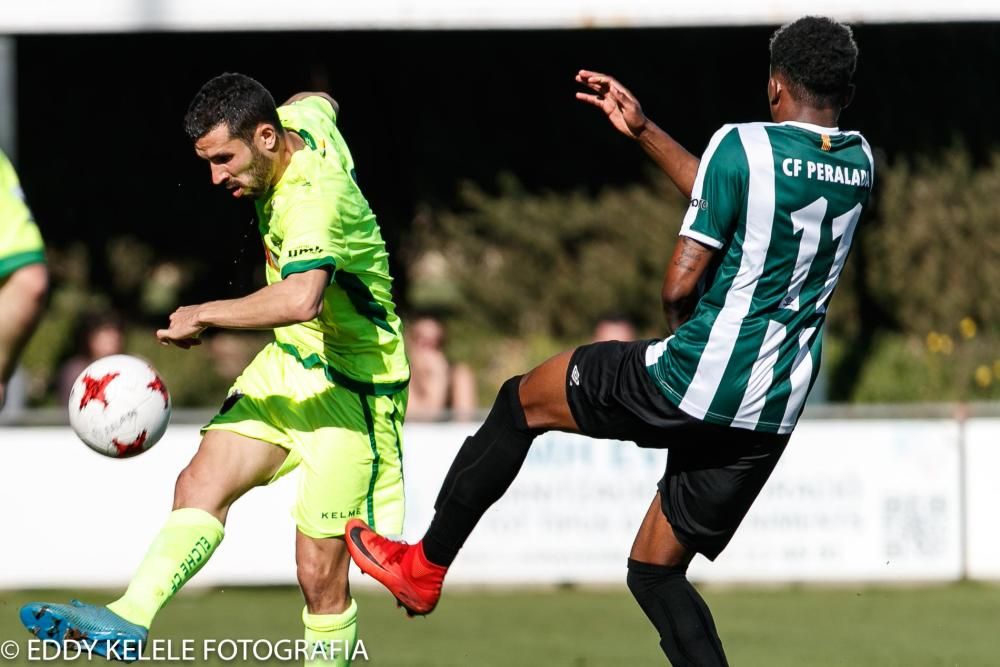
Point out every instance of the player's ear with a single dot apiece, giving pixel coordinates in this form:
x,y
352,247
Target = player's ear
x,y
266,137
774,91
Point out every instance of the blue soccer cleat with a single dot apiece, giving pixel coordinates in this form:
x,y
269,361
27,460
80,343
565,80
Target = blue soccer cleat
x,y
95,629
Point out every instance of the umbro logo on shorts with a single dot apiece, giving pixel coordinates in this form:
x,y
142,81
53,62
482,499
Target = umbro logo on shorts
x,y
574,378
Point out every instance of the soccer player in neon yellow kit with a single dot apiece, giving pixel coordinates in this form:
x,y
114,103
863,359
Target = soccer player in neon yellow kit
x,y
327,395
23,277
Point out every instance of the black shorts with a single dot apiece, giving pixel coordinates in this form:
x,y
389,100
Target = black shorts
x,y
713,474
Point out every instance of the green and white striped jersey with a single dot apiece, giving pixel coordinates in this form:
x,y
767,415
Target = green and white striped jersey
x,y
780,203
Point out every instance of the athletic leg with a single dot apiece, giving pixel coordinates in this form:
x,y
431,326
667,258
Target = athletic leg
x,y
226,466
330,615
488,462
657,577
482,471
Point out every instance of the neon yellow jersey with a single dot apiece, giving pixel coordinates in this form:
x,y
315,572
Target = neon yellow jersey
x,y
317,217
20,241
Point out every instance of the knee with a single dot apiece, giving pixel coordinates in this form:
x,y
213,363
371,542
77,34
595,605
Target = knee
x,y
644,576
509,400
195,488
32,282
187,482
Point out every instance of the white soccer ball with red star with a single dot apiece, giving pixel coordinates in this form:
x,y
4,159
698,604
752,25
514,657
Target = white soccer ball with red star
x,y
119,406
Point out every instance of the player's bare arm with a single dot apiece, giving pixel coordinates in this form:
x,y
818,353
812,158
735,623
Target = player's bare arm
x,y
298,298
680,285
626,115
303,95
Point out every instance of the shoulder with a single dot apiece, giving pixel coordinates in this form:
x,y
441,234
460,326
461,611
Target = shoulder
x,y
864,145
726,150
317,101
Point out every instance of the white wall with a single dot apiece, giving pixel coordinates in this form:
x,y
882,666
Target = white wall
x,y
185,15
875,500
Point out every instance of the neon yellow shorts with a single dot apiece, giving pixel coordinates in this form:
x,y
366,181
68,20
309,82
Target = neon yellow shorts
x,y
349,445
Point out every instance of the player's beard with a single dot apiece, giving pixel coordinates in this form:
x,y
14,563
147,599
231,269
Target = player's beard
x,y
259,174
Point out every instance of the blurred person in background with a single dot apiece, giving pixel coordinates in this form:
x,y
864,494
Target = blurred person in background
x,y
772,216
99,334
439,389
613,326
24,278
329,391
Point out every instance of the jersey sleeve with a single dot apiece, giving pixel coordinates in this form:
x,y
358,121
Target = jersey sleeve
x,y
312,117
15,210
719,190
313,239
20,240
321,105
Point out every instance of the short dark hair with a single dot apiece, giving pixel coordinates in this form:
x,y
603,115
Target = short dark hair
x,y
817,56
237,100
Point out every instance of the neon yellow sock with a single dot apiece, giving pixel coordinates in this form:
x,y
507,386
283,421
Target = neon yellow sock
x,y
337,632
185,543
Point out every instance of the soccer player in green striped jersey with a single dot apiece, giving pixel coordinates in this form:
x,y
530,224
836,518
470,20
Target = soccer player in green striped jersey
x,y
328,393
24,278
774,207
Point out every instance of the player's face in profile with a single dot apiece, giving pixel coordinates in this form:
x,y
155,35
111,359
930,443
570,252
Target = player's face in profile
x,y
241,168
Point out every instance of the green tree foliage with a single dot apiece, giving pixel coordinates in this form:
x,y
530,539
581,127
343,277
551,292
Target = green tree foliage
x,y
519,264
934,246
525,275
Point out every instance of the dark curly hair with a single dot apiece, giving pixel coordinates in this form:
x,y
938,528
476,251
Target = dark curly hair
x,y
817,56
237,100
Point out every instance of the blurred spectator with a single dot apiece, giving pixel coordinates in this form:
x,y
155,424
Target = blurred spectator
x,y
613,327
439,389
99,335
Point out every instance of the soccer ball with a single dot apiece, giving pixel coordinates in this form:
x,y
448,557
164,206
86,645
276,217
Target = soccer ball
x,y
119,406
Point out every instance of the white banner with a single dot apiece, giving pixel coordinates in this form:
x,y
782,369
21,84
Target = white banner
x,y
850,500
853,500
570,515
982,497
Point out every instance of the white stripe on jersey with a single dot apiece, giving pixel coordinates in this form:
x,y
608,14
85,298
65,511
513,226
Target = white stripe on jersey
x,y
698,187
809,221
868,153
761,377
843,229
760,220
801,373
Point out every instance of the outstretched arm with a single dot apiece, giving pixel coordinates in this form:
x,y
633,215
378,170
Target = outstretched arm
x,y
297,298
623,110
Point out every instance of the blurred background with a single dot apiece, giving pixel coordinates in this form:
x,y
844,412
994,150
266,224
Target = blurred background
x,y
520,224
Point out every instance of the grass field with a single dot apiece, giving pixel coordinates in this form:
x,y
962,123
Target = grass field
x,y
793,626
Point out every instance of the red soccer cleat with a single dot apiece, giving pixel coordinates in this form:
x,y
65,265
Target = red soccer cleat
x,y
402,568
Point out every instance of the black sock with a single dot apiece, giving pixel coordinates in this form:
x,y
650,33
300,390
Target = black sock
x,y
483,469
679,614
